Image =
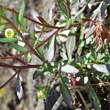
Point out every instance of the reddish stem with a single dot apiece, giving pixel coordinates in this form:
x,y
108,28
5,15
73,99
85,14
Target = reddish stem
x,y
11,57
68,6
10,79
18,59
19,67
20,34
12,10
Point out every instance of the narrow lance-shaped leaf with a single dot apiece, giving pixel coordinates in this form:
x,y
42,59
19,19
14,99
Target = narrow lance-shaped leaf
x,y
16,19
63,7
8,40
32,31
25,23
79,12
19,89
80,41
49,67
1,11
86,42
43,21
93,97
51,50
18,47
70,45
40,87
66,93
21,13
1,21
68,23
40,50
48,89
63,55
38,72
29,56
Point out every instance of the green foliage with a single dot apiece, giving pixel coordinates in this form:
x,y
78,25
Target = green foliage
x,y
66,49
93,97
38,72
21,13
65,92
8,40
63,7
1,11
40,50
18,47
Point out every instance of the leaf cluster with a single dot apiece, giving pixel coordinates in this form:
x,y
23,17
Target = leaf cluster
x,y
78,63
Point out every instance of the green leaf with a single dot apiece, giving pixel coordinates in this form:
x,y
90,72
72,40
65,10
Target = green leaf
x,y
29,56
70,45
25,23
87,41
39,50
21,13
8,40
66,80
1,11
49,67
79,20
33,35
78,13
68,23
38,72
66,93
93,97
83,43
80,41
48,89
1,21
16,19
63,55
40,87
51,50
63,7
18,47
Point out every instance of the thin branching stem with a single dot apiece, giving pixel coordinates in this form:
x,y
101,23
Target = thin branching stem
x,y
21,36
83,100
49,26
55,75
12,57
10,79
12,10
18,59
19,67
